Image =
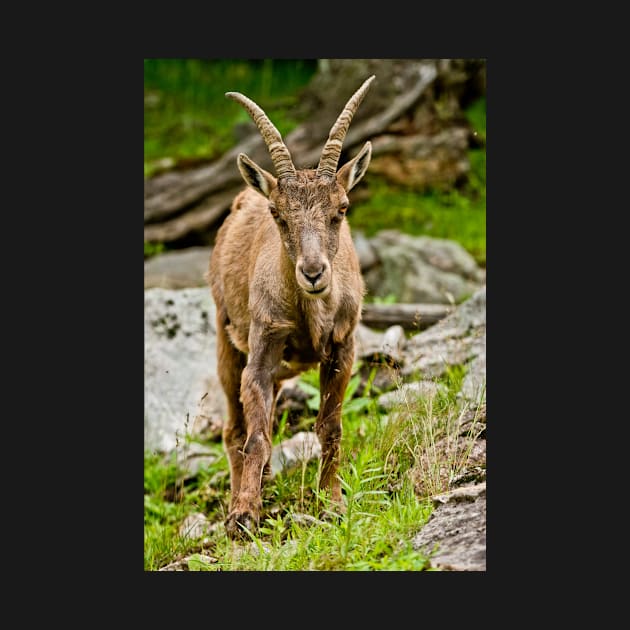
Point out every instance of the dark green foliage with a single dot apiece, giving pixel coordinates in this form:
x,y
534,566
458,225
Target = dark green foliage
x,y
187,117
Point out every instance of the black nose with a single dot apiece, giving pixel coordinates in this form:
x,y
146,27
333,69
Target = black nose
x,y
313,273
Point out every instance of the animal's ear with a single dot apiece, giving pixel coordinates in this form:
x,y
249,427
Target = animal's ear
x,y
258,178
352,172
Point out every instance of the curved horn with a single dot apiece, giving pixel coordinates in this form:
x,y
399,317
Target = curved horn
x,y
331,152
280,155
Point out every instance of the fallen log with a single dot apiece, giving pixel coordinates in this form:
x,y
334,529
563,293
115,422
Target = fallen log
x,y
409,316
169,193
453,140
203,216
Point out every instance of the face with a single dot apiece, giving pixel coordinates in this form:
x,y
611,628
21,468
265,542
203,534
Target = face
x,y
308,213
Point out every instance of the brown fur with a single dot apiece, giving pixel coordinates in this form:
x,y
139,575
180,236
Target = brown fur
x,y
282,240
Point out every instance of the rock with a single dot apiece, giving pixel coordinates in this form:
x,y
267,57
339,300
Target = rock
x,y
394,341
367,341
196,525
178,269
291,399
461,495
455,340
408,393
193,562
455,536
422,269
474,385
191,457
382,351
473,421
386,347
365,251
302,447
182,393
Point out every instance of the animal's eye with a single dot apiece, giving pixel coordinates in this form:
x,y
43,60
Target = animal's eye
x,y
341,213
276,217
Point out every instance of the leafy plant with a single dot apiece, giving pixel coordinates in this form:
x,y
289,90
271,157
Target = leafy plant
x,y
309,382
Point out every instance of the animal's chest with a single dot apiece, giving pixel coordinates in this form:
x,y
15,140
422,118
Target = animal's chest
x,y
310,339
299,349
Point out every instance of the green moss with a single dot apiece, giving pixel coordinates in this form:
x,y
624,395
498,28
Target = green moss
x,y
153,249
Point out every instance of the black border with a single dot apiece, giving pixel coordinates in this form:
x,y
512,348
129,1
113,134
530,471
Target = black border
x,y
110,389
76,354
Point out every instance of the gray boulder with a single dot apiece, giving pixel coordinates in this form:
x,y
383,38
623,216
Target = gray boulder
x,y
177,269
182,393
455,340
300,448
474,385
421,269
409,393
455,536
365,251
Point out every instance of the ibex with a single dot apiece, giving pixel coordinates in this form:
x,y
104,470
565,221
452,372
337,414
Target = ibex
x,y
288,290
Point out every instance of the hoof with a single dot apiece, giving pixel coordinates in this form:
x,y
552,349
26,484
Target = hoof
x,y
237,524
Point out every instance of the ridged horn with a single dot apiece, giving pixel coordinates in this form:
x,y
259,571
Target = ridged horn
x,y
280,155
330,154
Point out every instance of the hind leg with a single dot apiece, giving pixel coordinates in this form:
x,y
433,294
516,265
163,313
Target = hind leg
x,y
230,363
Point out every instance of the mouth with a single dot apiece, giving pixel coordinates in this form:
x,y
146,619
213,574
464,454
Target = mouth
x,y
315,292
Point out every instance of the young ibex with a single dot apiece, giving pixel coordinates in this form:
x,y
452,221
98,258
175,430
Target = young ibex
x,y
288,290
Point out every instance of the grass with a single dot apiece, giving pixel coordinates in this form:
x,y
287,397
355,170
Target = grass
x,y
381,470
187,117
451,215
458,214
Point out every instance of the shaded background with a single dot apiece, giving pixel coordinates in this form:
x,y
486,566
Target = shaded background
x,y
426,119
